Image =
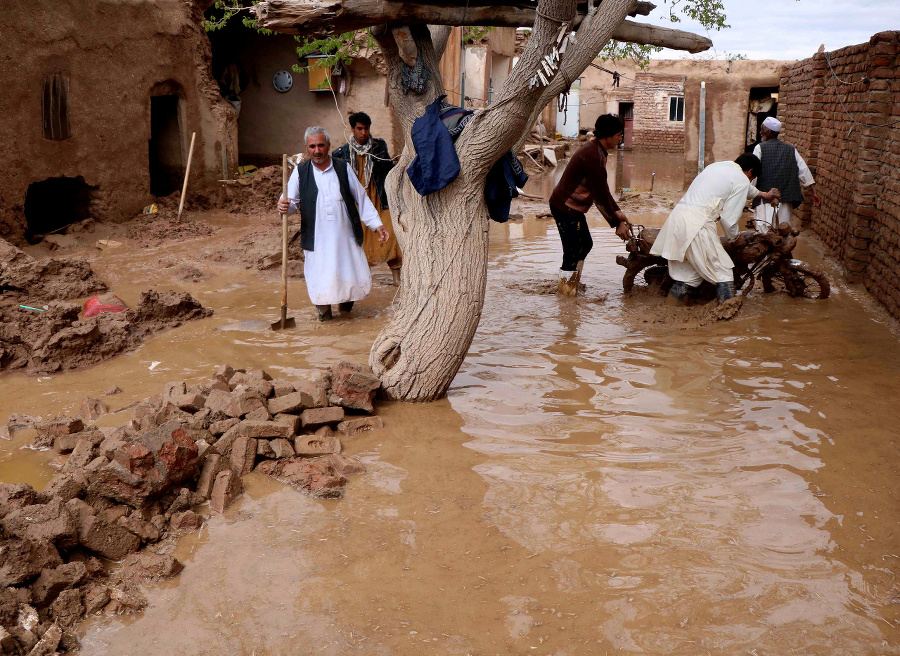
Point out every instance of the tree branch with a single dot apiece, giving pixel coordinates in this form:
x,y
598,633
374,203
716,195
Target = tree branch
x,y
310,17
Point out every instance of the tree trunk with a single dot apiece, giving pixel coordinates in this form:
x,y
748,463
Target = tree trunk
x,y
444,239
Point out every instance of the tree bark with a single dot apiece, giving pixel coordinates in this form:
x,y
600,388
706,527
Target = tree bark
x,y
444,236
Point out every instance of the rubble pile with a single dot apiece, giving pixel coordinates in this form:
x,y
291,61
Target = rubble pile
x,y
39,325
123,493
56,339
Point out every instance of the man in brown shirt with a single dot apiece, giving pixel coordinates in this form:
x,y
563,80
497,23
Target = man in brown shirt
x,y
583,184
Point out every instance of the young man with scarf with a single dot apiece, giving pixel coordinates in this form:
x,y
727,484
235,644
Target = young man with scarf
x,y
583,184
368,157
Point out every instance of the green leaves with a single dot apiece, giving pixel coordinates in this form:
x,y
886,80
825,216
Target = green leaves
x,y
337,48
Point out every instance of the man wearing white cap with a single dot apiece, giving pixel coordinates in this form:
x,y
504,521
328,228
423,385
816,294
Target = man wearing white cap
x,y
783,169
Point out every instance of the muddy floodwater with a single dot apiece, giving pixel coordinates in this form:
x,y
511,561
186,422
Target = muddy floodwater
x,y
592,484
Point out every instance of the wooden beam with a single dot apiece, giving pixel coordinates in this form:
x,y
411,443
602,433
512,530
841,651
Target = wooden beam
x,y
336,16
665,37
311,17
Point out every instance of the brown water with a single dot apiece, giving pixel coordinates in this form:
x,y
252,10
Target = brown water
x,y
592,484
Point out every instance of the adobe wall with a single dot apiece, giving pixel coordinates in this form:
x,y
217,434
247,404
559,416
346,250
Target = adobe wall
x,y
114,55
855,165
272,122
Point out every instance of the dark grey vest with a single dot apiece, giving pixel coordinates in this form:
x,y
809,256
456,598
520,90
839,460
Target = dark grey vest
x,y
779,170
309,192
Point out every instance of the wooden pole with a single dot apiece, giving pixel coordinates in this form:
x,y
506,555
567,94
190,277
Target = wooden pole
x,y
701,139
284,243
187,172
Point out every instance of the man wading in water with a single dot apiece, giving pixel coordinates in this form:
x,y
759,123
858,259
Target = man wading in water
x,y
583,184
333,208
368,157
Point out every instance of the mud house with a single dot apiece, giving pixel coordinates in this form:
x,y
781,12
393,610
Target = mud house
x,y
101,100
277,103
661,104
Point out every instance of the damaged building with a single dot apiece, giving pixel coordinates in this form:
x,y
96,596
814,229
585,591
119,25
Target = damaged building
x,y
660,105
102,99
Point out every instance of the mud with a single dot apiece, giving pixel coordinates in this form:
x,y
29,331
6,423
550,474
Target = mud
x,y
41,332
592,483
57,340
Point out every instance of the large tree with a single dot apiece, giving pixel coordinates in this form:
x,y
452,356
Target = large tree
x,y
444,235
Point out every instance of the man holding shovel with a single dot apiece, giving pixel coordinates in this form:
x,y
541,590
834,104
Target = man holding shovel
x,y
333,207
583,184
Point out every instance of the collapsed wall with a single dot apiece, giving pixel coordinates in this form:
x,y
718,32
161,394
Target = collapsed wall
x,y
99,105
841,110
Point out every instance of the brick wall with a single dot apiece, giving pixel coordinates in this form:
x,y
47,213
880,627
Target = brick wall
x,y
653,130
856,166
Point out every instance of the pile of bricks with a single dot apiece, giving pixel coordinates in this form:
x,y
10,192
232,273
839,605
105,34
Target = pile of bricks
x,y
122,492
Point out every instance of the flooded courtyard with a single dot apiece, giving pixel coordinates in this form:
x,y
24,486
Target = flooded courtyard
x,y
593,483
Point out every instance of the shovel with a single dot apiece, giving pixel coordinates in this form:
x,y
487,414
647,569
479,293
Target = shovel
x,y
284,322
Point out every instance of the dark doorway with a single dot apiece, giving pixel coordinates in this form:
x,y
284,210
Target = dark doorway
x,y
626,113
55,203
763,103
166,165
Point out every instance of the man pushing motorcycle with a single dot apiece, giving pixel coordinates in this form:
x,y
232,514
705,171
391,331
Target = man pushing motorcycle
x,y
688,239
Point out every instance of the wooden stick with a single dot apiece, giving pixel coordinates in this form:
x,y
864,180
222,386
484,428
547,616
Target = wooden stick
x,y
224,162
284,242
536,163
187,172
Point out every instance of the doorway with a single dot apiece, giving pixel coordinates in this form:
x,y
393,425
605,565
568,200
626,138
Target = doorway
x,y
626,113
54,203
166,164
763,103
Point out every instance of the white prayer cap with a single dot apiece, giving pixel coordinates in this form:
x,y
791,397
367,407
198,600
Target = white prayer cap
x,y
772,123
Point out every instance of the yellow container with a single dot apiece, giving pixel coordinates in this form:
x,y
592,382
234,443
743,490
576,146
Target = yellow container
x,y
319,77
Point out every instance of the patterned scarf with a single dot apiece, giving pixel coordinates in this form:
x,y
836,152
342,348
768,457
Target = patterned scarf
x,y
364,149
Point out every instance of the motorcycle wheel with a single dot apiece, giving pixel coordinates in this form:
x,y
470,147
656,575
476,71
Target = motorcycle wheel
x,y
631,273
796,279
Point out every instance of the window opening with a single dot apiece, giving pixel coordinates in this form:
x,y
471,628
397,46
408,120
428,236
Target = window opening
x,y
55,107
676,108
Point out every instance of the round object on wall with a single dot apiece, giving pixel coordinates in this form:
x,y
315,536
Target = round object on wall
x,y
283,81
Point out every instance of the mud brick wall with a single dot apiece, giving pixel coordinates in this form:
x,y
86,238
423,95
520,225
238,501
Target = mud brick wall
x,y
653,130
841,110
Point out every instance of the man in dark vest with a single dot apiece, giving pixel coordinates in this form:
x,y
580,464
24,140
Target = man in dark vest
x,y
333,207
783,169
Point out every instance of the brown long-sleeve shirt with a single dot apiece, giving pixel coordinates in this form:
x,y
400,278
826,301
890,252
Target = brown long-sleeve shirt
x,y
584,183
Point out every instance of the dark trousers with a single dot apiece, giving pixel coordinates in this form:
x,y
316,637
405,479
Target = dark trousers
x,y
575,236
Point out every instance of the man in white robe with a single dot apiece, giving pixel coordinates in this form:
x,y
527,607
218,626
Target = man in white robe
x,y
688,239
783,168
333,206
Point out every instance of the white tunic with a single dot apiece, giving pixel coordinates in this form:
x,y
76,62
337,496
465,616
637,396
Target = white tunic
x,y
337,270
720,191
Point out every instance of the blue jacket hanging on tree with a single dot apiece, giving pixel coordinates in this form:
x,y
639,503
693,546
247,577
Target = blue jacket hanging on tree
x,y
433,135
436,164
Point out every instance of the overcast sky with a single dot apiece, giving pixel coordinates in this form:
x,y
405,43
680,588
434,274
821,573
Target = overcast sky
x,y
789,29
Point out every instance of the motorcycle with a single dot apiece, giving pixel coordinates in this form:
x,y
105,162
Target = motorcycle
x,y
762,254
